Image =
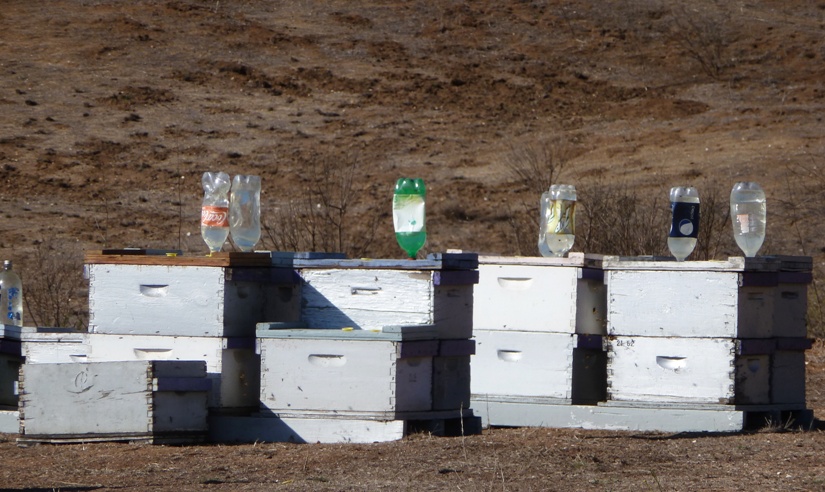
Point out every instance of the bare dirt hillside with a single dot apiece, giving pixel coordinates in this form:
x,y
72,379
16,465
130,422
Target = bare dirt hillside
x,y
111,111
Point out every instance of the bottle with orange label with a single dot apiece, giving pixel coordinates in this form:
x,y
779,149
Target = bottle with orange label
x,y
215,210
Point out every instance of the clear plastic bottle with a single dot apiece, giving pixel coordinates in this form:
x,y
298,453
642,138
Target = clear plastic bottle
x,y
245,211
684,226
215,210
557,226
409,214
11,296
748,214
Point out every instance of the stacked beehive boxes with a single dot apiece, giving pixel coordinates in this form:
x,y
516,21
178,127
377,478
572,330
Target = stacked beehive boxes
x,y
157,307
539,324
386,348
707,345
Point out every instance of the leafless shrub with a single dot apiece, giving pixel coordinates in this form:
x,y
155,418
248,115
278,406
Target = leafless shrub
x,y
54,291
539,165
614,219
322,215
714,224
535,167
703,29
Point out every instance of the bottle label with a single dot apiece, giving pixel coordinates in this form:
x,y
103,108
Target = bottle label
x,y
685,220
11,314
744,222
212,216
408,213
561,217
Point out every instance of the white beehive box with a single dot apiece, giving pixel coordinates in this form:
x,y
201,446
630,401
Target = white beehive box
x,y
339,372
369,294
561,295
523,364
737,298
153,400
689,370
231,363
53,345
224,295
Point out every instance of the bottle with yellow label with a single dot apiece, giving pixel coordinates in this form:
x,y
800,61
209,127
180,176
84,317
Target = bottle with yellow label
x,y
557,227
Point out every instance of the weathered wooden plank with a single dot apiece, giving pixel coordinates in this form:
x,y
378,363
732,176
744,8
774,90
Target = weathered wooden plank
x,y
387,333
223,259
234,429
614,417
733,264
573,259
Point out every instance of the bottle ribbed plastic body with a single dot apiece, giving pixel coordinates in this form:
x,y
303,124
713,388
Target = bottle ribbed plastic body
x,y
748,214
11,296
409,214
215,210
684,226
245,211
557,224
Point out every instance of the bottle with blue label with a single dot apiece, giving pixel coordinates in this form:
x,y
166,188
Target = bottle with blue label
x,y
408,214
684,228
11,296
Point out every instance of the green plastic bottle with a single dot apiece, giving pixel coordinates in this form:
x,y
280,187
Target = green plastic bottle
x,y
408,214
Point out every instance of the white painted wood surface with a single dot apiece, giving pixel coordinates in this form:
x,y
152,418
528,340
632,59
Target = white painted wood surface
x,y
235,372
235,429
108,398
685,370
614,417
538,294
526,298
183,300
346,375
672,303
9,421
39,347
522,364
370,299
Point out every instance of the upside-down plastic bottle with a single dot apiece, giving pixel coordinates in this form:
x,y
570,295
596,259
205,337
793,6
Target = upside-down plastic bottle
x,y
748,213
684,226
557,226
215,210
408,214
11,296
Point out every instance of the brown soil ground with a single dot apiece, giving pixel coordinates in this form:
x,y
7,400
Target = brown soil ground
x,y
111,111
